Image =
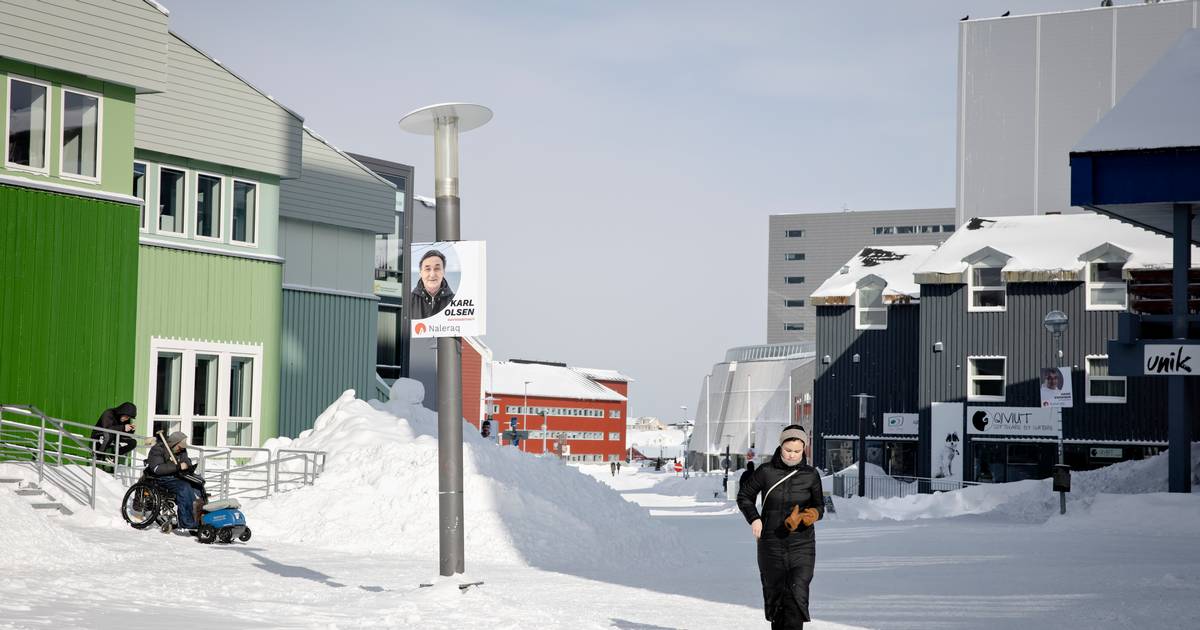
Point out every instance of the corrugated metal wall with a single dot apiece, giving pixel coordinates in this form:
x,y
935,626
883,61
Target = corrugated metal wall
x,y
328,347
333,189
888,370
209,297
68,278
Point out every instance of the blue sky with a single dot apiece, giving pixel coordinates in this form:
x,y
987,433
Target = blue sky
x,y
637,148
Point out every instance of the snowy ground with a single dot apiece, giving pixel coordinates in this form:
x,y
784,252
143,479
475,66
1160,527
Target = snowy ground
x,y
642,551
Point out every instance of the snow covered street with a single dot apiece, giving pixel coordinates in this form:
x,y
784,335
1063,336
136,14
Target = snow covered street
x,y
574,547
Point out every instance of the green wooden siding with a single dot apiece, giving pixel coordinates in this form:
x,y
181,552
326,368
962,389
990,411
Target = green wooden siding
x,y
328,347
68,299
213,298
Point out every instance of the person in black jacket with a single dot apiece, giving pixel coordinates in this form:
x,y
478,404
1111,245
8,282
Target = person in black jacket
x,y
432,293
119,418
167,468
787,547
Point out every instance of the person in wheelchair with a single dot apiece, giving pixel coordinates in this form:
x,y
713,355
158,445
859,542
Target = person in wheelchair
x,y
169,468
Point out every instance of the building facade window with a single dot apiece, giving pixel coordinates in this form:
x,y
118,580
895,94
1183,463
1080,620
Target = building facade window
x,y
948,228
793,257
1106,288
931,229
614,435
793,279
1102,387
794,233
208,206
987,288
906,229
794,303
870,313
28,125
245,212
886,229
210,391
172,190
139,189
614,413
80,155
986,378
793,326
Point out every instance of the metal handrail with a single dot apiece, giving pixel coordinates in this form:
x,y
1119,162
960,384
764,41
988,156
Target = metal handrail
x,y
886,487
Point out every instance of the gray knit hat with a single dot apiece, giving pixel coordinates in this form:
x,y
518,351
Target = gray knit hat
x,y
176,438
793,432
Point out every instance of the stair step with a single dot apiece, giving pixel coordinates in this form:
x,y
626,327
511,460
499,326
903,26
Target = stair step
x,y
52,506
30,492
10,480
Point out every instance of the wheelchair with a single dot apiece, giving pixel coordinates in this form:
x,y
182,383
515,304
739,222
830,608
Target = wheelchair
x,y
148,502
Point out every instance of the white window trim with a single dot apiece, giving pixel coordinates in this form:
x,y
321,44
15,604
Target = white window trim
x,y
220,237
858,309
1088,285
971,289
45,170
1087,383
62,131
158,195
971,377
225,353
145,220
233,181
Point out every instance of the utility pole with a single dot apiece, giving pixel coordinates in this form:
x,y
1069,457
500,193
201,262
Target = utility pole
x,y
862,442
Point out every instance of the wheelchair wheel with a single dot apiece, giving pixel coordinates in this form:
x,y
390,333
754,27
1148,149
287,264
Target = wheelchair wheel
x,y
245,537
206,534
140,506
225,535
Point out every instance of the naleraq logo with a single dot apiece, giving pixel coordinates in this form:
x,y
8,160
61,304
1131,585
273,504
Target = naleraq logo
x,y
980,420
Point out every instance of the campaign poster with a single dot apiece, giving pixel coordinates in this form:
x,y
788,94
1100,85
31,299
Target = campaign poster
x,y
1012,421
945,434
449,294
1056,387
900,423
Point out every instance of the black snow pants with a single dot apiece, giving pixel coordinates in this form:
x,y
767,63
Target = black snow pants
x,y
785,564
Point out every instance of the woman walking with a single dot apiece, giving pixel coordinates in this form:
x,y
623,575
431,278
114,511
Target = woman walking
x,y
787,548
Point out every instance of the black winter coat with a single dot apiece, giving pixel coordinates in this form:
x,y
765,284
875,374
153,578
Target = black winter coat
x,y
422,305
785,559
111,419
159,463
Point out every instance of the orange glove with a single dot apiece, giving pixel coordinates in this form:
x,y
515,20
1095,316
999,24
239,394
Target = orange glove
x,y
809,516
793,520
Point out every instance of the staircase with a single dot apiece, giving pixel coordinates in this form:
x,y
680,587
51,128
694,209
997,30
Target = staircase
x,y
37,497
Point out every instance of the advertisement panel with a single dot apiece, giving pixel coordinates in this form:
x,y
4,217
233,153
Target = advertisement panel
x,y
449,295
945,430
1056,387
1013,421
900,423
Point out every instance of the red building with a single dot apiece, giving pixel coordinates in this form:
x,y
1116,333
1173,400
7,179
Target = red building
x,y
583,410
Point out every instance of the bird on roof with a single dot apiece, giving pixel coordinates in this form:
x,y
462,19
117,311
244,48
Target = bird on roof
x,y
1005,14
965,17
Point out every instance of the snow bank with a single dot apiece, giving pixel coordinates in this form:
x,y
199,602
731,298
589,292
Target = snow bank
x,y
31,539
379,494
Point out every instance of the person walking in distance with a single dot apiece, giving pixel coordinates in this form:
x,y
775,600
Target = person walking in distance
x,y
792,502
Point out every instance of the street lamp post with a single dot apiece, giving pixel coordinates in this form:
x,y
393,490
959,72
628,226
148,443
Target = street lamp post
x,y
707,429
686,436
544,451
1056,324
444,122
862,442
525,418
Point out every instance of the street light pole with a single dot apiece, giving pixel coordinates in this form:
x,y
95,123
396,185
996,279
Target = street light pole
x,y
444,122
525,418
1056,323
707,429
862,442
544,451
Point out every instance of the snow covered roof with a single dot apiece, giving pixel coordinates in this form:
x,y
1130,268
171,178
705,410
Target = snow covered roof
x,y
604,375
1160,110
548,381
893,265
1046,248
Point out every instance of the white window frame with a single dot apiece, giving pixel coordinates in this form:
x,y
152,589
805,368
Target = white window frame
x,y
972,289
233,182
614,414
195,204
1088,285
972,377
225,353
859,308
182,233
145,220
614,435
45,170
62,133
1087,383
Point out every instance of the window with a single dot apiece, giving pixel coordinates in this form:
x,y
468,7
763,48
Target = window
x,y
794,279
614,413
172,186
245,211
948,228
794,233
28,124
870,313
209,391
208,206
80,135
1106,290
931,229
906,229
793,256
614,435
985,379
793,326
793,303
1101,387
139,188
887,229
986,288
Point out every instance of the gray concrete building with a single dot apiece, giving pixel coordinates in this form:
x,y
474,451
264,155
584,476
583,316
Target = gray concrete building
x,y
805,249
1030,87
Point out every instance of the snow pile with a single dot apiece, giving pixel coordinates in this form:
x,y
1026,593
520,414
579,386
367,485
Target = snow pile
x,y
1034,500
666,443
379,494
26,537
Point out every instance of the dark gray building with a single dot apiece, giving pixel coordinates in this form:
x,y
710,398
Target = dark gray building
x,y
804,249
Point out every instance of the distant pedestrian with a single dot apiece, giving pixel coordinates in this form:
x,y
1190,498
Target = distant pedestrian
x,y
612,468
787,548
618,466
746,474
